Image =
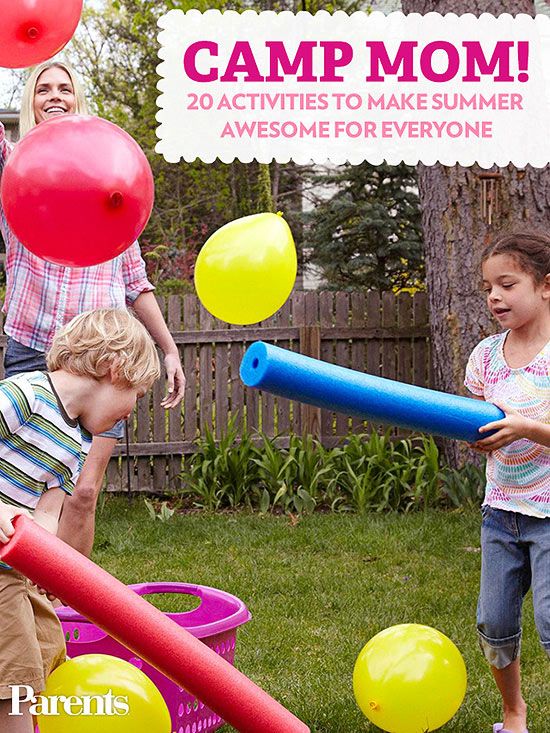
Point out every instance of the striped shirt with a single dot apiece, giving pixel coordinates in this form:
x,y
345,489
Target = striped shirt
x,y
41,447
42,296
518,475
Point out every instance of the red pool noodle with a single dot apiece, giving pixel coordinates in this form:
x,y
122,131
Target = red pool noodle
x,y
105,601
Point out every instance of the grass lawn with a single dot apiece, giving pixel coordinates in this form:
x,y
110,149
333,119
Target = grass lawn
x,y
318,590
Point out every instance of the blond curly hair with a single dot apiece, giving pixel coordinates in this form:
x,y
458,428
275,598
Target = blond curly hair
x,y
96,341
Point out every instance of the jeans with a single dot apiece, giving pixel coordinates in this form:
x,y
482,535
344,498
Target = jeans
x,y
515,557
20,358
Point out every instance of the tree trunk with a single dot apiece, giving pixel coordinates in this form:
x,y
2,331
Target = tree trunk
x,y
455,232
461,7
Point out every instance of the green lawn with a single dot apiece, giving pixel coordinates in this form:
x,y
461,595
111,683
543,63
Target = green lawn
x,y
319,589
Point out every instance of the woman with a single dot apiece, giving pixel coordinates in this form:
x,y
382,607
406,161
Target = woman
x,y
41,297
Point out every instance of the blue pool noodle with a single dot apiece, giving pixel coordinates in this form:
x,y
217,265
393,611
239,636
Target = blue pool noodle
x,y
297,377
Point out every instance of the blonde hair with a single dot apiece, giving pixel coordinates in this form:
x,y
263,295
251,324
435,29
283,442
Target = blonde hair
x,y
26,115
95,341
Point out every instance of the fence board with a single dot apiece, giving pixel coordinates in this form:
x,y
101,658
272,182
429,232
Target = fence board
x,y
342,307
205,373
115,471
221,380
421,369
252,409
374,322
190,368
389,313
267,402
357,347
298,319
404,347
159,416
326,321
175,431
310,345
235,384
283,406
144,479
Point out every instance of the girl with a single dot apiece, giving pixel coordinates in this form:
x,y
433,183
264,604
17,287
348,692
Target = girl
x,y
41,297
512,370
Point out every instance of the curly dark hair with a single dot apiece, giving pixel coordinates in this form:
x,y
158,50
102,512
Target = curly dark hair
x,y
530,248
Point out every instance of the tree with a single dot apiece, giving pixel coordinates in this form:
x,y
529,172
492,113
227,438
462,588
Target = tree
x,y
367,233
250,188
455,231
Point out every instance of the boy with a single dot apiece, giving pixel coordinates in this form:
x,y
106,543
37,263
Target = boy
x,y
99,364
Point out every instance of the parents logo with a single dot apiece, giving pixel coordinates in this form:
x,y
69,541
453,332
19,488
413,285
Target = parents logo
x,y
85,705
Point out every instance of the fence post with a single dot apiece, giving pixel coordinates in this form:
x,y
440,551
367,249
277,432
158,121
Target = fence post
x,y
310,345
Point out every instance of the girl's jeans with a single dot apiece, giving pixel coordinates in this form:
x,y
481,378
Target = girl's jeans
x,y
515,556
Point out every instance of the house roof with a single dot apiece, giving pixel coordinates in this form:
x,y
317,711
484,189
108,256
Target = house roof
x,y
9,115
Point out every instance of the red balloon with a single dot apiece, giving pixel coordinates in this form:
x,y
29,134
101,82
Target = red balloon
x,y
77,190
32,31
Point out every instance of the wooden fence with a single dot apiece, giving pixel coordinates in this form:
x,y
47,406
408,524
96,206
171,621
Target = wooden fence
x,y
385,335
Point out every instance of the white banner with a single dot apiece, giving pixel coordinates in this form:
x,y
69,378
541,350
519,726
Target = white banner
x,y
453,89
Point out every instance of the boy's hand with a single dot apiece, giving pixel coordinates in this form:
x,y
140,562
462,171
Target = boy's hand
x,y
7,513
512,427
50,596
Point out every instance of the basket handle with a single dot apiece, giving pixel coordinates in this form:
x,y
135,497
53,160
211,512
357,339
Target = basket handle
x,y
208,597
144,589
205,595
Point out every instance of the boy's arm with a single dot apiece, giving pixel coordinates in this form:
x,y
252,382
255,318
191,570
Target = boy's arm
x,y
47,514
48,509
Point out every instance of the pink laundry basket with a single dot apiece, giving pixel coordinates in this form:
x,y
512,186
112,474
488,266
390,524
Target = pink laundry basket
x,y
214,621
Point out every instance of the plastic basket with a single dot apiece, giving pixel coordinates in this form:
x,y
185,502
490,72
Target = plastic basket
x,y
214,621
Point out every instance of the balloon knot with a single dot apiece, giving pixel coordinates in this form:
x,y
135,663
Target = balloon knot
x,y
32,32
116,199
373,705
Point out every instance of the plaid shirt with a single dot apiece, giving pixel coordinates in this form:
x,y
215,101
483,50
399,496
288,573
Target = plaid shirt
x,y
41,296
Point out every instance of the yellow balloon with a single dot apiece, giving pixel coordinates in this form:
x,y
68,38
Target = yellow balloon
x,y
108,686
246,270
409,679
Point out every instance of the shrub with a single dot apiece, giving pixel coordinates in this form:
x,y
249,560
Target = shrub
x,y
364,473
